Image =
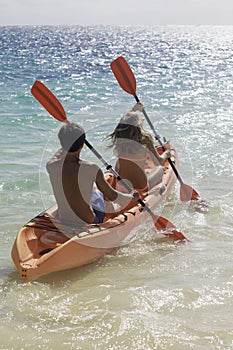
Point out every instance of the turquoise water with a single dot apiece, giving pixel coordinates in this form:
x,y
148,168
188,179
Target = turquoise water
x,y
150,294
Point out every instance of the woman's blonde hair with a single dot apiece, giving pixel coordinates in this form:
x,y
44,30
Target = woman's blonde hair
x,y
130,128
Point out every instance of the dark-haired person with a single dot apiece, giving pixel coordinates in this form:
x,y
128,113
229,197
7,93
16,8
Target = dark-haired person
x,y
79,186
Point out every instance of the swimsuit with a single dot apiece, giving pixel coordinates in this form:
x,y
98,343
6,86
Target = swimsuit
x,y
98,205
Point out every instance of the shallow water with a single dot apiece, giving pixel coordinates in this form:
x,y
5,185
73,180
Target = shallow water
x,y
151,294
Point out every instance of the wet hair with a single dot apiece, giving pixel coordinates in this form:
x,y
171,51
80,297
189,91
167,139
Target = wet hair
x,y
72,136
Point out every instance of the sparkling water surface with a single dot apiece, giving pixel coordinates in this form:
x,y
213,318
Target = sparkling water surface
x,y
150,294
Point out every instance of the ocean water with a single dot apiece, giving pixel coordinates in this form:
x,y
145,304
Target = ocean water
x,y
149,294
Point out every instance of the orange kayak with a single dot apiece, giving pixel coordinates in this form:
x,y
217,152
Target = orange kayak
x,y
45,245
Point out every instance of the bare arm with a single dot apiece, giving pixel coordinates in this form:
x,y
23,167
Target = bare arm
x,y
161,158
112,194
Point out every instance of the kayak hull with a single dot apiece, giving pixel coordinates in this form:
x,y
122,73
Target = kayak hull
x,y
45,245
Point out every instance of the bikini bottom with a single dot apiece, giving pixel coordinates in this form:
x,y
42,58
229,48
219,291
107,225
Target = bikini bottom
x,y
98,205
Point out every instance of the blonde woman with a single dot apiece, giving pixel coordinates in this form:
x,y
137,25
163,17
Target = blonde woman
x,y
133,145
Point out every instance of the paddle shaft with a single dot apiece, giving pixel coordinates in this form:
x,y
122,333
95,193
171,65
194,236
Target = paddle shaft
x,y
124,183
127,81
159,222
158,138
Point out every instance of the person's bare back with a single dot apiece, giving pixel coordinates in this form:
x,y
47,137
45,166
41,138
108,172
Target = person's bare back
x,y
73,181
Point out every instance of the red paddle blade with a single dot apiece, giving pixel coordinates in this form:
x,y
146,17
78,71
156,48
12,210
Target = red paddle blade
x,y
162,224
124,75
167,227
48,101
176,235
187,193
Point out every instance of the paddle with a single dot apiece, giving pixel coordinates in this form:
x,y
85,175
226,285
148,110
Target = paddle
x,y
127,81
50,102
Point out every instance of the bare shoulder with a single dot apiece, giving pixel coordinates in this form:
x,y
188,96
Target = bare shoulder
x,y
57,157
90,167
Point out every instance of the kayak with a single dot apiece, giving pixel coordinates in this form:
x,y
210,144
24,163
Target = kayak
x,y
45,244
